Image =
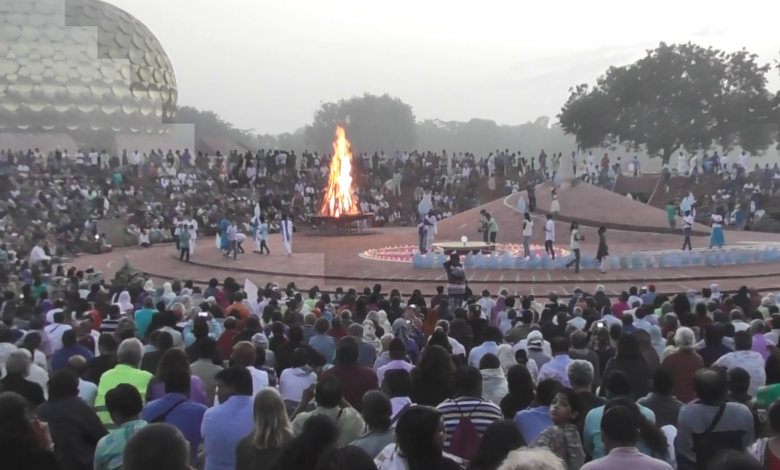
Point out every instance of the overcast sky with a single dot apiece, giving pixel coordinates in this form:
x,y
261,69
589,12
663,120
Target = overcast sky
x,y
267,64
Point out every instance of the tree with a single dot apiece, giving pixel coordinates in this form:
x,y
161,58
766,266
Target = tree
x,y
373,123
677,96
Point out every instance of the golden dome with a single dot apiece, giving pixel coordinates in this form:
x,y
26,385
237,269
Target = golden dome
x,y
68,65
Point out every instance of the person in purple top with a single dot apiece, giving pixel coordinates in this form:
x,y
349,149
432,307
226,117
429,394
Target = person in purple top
x,y
172,360
231,421
69,349
177,409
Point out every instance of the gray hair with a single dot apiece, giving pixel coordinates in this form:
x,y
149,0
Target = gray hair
x,y
130,352
577,312
18,362
684,338
580,373
757,327
531,459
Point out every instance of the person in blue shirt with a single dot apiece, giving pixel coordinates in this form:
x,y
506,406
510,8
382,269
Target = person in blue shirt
x,y
263,236
618,386
176,409
226,424
493,338
69,349
534,420
224,243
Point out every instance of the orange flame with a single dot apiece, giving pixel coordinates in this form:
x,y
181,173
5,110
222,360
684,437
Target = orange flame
x,y
340,198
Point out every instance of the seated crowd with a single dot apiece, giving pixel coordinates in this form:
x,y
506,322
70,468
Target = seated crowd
x,y
133,377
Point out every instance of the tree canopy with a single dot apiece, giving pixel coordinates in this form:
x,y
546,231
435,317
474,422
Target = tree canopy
x,y
372,122
679,96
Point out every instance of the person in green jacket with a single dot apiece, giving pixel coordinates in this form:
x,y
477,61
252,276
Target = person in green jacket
x,y
671,214
184,243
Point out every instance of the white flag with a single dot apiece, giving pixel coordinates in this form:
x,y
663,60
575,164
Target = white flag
x,y
251,292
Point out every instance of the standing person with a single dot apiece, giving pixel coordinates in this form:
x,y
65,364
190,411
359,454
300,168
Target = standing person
x,y
184,243
549,236
423,226
433,227
687,227
193,227
717,238
555,206
492,228
483,226
575,247
603,251
287,234
671,214
262,237
528,227
232,237
531,197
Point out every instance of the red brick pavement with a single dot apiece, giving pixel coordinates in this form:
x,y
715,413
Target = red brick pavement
x,y
335,262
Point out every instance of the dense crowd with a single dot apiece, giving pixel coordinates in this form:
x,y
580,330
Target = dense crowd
x,y
135,376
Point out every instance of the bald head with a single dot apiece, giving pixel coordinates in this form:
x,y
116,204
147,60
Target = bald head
x,y
77,364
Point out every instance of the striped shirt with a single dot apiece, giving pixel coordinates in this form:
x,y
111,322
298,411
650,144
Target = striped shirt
x,y
481,412
111,448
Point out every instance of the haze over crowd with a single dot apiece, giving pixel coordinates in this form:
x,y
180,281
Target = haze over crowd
x,y
268,65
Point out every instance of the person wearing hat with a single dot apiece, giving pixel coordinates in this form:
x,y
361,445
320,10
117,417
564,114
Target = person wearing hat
x,y
536,347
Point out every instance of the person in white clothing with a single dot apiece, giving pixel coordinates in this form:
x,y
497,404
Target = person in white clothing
x,y
56,330
286,227
687,228
528,227
296,379
193,225
244,356
747,359
744,161
38,254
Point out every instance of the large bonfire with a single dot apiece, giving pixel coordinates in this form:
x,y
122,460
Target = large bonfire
x,y
340,199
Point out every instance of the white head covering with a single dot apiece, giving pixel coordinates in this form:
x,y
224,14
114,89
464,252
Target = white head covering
x,y
715,292
124,302
506,355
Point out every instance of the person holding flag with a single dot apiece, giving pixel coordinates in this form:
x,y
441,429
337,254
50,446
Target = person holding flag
x,y
287,233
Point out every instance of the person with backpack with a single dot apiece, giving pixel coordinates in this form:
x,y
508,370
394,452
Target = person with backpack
x,y
178,409
467,416
709,426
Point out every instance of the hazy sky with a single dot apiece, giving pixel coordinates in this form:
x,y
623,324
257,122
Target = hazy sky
x,y
267,64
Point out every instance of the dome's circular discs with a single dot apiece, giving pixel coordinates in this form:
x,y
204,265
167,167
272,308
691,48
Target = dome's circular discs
x,y
8,66
120,89
30,33
81,65
49,86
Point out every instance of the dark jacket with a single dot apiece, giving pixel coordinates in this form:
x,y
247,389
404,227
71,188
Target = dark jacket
x,y
638,370
150,360
30,391
75,430
97,366
284,356
250,458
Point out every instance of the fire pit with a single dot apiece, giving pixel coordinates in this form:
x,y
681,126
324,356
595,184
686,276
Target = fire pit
x,y
340,213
